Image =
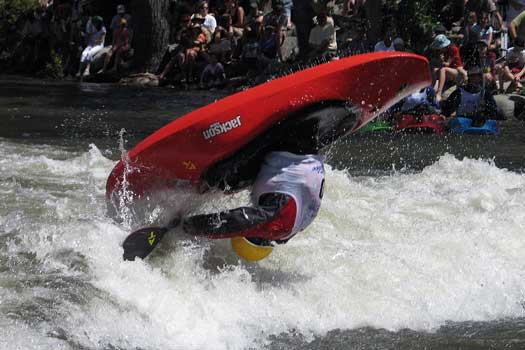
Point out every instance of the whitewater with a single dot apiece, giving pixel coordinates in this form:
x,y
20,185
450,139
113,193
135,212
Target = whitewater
x,y
407,249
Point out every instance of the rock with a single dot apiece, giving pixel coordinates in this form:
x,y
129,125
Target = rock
x,y
141,79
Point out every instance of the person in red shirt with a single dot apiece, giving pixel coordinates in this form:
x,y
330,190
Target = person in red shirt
x,y
451,66
119,46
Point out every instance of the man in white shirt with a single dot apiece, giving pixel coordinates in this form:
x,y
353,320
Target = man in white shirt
x,y
387,44
210,22
322,38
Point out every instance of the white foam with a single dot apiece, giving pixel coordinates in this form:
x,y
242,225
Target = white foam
x,y
408,250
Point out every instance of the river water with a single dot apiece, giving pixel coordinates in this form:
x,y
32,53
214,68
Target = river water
x,y
418,244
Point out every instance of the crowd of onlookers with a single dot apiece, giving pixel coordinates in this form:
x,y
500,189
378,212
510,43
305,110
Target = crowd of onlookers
x,y
69,31
211,40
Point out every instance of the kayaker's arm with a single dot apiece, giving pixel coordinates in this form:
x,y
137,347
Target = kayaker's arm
x,y
243,221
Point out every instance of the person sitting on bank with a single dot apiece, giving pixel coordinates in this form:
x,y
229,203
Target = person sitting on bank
x,y
119,47
121,14
513,69
450,65
487,62
387,43
472,101
96,34
322,40
213,75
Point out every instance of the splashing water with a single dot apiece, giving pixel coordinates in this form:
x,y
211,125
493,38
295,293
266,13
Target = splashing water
x,y
405,250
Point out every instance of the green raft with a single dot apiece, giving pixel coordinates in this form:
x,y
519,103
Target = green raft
x,y
376,126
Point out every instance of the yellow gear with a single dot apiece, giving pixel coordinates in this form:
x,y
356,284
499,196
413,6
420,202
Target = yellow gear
x,y
248,250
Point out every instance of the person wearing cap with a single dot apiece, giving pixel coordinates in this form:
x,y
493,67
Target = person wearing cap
x,y
121,13
198,20
451,68
96,34
472,101
119,46
513,69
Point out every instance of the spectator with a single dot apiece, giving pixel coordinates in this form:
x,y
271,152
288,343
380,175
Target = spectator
x,y
352,7
386,44
268,45
182,42
450,65
287,8
468,50
254,14
514,8
487,32
302,16
120,45
513,68
213,75
198,19
250,48
471,27
221,46
237,15
487,63
472,101
322,39
278,20
399,44
210,23
115,21
517,27
96,33
489,6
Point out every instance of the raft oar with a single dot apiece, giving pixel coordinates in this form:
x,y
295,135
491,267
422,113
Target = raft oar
x,y
142,242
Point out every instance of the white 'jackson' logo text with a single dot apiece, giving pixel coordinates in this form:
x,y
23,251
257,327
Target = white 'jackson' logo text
x,y
216,129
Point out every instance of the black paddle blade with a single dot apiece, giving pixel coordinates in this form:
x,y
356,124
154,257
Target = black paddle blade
x,y
141,242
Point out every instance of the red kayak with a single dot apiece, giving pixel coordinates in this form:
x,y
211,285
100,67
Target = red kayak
x,y
222,144
427,123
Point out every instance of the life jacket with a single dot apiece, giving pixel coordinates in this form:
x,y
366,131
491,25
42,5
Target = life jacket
x,y
299,176
470,103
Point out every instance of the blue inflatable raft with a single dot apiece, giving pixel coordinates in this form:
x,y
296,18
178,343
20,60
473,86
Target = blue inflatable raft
x,y
461,125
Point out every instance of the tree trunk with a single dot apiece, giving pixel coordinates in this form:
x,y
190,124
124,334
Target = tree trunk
x,y
150,32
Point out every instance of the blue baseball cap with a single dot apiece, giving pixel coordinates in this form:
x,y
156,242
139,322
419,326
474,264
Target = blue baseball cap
x,y
440,42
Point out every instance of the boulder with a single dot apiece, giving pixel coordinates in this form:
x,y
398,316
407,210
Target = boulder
x,y
141,79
